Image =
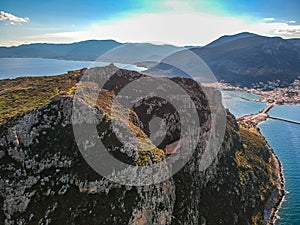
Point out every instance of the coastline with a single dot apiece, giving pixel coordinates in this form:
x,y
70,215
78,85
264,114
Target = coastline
x,y
276,199
278,194
43,71
140,65
277,97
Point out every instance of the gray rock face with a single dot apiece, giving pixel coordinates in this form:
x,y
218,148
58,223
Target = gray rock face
x,y
45,180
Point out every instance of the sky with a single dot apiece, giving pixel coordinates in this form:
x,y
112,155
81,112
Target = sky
x,y
177,22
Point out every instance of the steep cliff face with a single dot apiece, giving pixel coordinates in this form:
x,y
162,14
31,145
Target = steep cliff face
x,y
44,178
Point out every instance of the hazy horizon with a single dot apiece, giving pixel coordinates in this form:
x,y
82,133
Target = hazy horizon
x,y
146,42
179,23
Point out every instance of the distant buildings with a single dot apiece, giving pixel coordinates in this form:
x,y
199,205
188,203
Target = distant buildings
x,y
271,92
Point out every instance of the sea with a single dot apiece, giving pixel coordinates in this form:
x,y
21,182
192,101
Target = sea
x,y
242,103
20,67
283,137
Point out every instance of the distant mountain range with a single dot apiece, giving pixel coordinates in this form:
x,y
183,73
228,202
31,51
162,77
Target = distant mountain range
x,y
102,50
85,50
137,52
243,59
227,38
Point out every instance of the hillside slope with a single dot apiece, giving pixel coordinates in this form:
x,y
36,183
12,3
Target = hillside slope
x,y
137,52
44,178
227,38
246,61
295,41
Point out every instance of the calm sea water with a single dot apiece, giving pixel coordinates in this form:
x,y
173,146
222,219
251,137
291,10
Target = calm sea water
x,y
20,67
236,102
284,138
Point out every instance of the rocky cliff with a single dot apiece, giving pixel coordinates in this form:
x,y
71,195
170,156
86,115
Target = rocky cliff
x,y
44,178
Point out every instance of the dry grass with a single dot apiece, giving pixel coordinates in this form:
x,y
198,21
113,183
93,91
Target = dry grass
x,y
27,93
103,99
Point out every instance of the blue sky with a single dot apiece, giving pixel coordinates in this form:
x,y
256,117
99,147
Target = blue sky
x,y
171,21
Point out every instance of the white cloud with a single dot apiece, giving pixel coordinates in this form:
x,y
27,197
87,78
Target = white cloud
x,y
12,18
269,19
292,21
283,29
12,43
175,27
188,28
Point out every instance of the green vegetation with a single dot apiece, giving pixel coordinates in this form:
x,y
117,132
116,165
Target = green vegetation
x,y
27,93
148,152
257,219
256,152
257,164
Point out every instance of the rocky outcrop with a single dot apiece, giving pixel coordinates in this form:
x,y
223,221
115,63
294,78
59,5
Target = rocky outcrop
x,y
45,180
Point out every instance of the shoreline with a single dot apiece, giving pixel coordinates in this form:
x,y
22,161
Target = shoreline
x,y
277,196
80,60
276,199
120,65
259,100
283,95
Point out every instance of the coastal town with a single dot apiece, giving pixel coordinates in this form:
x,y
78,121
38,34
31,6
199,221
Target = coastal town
x,y
269,94
272,95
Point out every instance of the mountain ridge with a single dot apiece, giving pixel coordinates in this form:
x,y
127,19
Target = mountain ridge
x,y
91,50
246,61
243,59
227,38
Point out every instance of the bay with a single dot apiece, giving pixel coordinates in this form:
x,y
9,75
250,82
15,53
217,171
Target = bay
x,y
236,102
20,67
